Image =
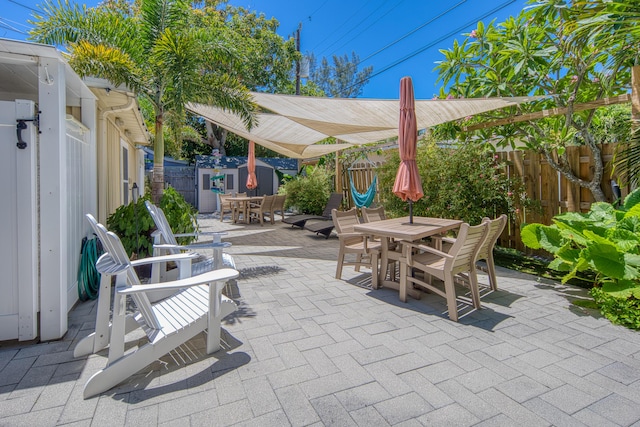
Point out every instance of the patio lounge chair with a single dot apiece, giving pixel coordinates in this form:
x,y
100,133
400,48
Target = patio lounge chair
x,y
196,305
335,199
445,266
324,227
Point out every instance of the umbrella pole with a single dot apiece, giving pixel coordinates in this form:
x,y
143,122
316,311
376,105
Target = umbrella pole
x,y
410,211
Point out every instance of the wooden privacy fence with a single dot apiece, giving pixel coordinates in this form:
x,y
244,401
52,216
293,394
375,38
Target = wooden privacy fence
x,y
362,174
554,193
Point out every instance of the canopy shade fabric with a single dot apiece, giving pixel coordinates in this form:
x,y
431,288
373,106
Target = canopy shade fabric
x,y
295,124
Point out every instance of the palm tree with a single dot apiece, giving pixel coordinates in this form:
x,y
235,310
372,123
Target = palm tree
x,y
155,51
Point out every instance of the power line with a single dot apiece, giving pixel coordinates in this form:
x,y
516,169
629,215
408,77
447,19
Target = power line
x,y
23,5
352,28
370,25
347,20
4,23
413,31
315,11
433,43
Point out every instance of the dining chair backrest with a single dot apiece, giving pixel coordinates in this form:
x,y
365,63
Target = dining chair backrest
x,y
464,251
267,202
496,226
344,221
278,202
373,214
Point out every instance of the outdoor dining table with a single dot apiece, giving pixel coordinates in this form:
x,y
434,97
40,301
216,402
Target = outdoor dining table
x,y
244,202
402,229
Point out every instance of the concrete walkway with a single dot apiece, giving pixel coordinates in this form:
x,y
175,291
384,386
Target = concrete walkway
x,y
307,349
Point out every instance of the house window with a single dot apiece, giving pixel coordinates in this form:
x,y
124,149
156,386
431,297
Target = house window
x,y
124,173
206,181
229,181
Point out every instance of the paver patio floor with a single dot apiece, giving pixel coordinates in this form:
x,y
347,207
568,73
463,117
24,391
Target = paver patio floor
x,y
307,349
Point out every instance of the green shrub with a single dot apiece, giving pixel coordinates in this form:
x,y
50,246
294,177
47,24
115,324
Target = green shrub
x,y
133,224
464,182
621,311
309,192
605,241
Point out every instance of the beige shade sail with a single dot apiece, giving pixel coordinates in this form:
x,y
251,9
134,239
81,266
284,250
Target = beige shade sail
x,y
294,126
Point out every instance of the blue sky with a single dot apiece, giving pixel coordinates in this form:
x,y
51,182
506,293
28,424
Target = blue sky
x,y
398,38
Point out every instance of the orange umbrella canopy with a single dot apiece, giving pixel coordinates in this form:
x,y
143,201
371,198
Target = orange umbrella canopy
x,y
252,180
408,184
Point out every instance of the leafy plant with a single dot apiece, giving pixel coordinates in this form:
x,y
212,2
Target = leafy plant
x,y
308,192
133,224
462,182
605,241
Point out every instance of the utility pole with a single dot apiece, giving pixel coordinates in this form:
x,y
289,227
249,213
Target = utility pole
x,y
298,61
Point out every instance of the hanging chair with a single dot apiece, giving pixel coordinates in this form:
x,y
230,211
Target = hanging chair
x,y
363,199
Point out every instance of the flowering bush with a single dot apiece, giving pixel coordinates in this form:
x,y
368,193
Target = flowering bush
x,y
463,182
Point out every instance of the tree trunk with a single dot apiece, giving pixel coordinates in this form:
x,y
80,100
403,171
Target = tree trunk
x,y
635,97
214,140
157,183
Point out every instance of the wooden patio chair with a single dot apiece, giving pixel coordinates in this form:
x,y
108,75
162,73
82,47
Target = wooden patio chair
x,y
238,208
394,250
352,242
258,210
485,253
195,305
278,206
224,205
445,266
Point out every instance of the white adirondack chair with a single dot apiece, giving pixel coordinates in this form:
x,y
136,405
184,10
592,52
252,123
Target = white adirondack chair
x,y
195,305
165,242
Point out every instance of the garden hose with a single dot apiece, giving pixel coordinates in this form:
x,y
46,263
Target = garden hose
x,y
88,276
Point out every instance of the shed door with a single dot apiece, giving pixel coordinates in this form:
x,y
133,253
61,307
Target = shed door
x,y
264,176
18,228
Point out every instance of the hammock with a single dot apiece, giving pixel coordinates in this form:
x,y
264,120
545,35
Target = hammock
x,y
363,199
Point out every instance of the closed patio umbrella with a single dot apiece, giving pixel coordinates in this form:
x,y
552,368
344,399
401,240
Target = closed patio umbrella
x,y
408,184
252,180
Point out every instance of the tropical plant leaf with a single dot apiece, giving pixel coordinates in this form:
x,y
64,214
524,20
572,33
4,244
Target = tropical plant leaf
x,y
538,236
622,288
606,259
632,199
560,265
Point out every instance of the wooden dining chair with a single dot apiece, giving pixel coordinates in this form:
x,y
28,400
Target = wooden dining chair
x,y
394,251
461,258
258,209
352,242
278,206
485,253
238,209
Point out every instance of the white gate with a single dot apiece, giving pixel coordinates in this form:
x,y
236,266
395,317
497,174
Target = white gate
x,y
18,226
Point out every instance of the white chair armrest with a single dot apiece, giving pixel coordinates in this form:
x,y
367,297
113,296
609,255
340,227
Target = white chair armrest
x,y
194,246
221,275
163,258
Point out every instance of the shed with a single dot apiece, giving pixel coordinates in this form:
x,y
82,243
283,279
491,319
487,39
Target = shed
x,y
231,174
49,125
